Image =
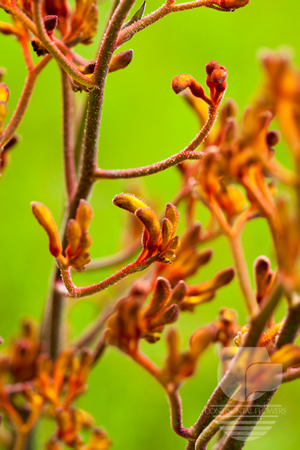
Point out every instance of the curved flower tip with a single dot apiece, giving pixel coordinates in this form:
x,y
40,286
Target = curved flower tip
x,y
79,240
216,82
182,82
232,4
4,96
156,239
45,219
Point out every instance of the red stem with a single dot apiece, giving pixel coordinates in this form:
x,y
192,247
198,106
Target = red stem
x,y
113,279
187,153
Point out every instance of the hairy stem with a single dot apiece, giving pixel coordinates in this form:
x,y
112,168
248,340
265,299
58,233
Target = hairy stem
x,y
78,292
260,404
243,273
64,63
23,103
185,154
161,12
176,413
226,415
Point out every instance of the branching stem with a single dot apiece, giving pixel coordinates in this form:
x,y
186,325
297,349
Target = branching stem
x,y
185,154
78,292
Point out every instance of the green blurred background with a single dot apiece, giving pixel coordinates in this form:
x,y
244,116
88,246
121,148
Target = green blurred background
x,y
143,122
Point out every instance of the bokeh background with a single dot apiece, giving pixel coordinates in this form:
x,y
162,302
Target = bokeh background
x,y
143,122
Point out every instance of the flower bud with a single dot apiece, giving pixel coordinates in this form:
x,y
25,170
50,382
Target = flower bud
x,y
182,82
129,202
50,23
121,60
162,291
45,219
84,215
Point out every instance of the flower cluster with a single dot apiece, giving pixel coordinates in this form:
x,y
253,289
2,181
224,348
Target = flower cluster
x,y
79,240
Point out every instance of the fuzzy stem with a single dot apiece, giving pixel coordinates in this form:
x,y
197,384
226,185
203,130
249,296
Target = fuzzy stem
x,y
23,103
176,413
185,154
26,52
289,330
226,415
90,146
229,382
237,252
231,443
78,292
64,63
68,140
161,12
235,244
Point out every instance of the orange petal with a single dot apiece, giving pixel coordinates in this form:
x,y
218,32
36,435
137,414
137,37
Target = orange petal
x,y
84,215
148,217
44,217
129,202
161,292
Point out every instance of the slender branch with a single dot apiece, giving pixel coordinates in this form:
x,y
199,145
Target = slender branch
x,y
17,12
226,415
229,382
243,273
78,292
23,103
90,146
161,12
176,413
185,154
64,63
234,239
259,321
24,41
260,404
68,138
289,330
109,43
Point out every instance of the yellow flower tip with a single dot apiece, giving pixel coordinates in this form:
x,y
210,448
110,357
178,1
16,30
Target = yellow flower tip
x,y
288,356
4,93
84,215
201,339
167,231
129,202
74,234
182,82
45,219
172,215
